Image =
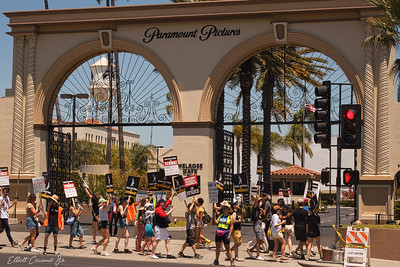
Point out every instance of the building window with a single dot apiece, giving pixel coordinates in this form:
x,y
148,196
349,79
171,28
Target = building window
x,y
275,187
298,188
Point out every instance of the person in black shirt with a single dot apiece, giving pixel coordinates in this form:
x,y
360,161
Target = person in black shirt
x,y
313,233
300,221
237,229
95,211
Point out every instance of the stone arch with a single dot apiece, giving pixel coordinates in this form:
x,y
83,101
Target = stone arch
x,y
53,80
213,86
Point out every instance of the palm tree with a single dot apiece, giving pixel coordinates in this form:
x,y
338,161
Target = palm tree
x,y
139,156
388,31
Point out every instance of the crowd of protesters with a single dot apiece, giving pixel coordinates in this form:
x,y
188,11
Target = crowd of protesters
x,y
273,226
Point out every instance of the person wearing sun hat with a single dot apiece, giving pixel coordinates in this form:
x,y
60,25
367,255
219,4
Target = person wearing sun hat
x,y
103,214
54,222
224,231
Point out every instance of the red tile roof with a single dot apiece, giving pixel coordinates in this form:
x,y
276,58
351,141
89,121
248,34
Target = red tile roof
x,y
295,170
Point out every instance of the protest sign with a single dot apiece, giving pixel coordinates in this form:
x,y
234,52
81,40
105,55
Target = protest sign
x,y
152,178
312,188
163,182
180,188
314,205
132,185
192,185
219,179
4,177
39,184
109,184
69,189
213,192
47,192
171,166
253,190
240,183
286,194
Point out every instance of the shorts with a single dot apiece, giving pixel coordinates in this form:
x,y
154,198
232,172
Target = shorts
x,y
148,230
313,234
51,229
121,223
76,229
289,230
257,228
190,236
30,223
223,238
237,236
103,225
300,232
278,235
161,233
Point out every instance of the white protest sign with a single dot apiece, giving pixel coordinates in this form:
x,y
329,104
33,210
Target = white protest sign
x,y
213,192
4,177
254,190
39,185
171,166
69,189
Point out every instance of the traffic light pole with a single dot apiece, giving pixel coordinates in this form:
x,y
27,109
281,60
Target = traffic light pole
x,y
338,183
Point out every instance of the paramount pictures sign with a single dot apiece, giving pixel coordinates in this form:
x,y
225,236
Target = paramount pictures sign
x,y
203,34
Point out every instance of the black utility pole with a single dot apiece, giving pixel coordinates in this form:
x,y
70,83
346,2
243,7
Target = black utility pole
x,y
338,182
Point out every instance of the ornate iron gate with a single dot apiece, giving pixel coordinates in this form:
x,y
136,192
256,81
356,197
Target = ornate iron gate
x,y
59,161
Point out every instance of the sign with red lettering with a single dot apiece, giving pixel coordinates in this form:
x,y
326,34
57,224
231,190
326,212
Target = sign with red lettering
x,y
69,189
4,176
171,166
192,185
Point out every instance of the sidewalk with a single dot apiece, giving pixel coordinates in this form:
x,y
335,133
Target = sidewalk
x,y
208,255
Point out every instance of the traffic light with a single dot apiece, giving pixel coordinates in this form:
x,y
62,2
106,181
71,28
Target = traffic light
x,y
325,177
351,177
350,135
322,115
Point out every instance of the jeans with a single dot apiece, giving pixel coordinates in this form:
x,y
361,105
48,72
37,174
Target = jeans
x,y
6,227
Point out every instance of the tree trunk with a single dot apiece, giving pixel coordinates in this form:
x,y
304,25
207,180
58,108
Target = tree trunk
x,y
267,100
238,154
46,4
246,83
119,110
110,96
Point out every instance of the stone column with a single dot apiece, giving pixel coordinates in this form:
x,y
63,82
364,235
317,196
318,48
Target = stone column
x,y
18,121
368,149
29,138
383,114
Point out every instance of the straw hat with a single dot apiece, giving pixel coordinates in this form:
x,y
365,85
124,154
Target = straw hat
x,y
54,198
226,204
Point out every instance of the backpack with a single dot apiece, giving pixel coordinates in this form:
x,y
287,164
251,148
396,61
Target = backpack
x,y
206,218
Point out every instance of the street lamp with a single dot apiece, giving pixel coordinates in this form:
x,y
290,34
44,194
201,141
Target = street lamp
x,y
73,97
158,147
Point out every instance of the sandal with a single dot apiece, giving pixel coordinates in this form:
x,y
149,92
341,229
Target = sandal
x,y
275,260
284,259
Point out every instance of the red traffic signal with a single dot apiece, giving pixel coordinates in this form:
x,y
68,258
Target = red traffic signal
x,y
350,114
351,177
350,128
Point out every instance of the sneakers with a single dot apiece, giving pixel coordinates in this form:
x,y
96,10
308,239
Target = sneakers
x,y
13,244
250,253
181,255
34,250
20,246
104,253
94,249
153,256
197,256
56,253
313,253
260,258
215,262
43,252
237,258
127,251
115,250
170,256
92,243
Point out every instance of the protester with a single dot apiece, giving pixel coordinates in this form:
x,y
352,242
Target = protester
x,y
152,200
75,228
37,231
299,219
161,222
267,219
276,227
31,212
289,229
190,216
237,219
54,222
140,223
257,216
121,225
224,231
200,225
148,229
4,215
113,214
313,233
103,217
95,211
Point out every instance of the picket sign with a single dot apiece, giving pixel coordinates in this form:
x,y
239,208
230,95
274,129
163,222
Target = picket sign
x,y
361,238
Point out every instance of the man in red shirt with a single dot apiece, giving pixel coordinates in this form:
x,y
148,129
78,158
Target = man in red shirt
x,y
161,222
